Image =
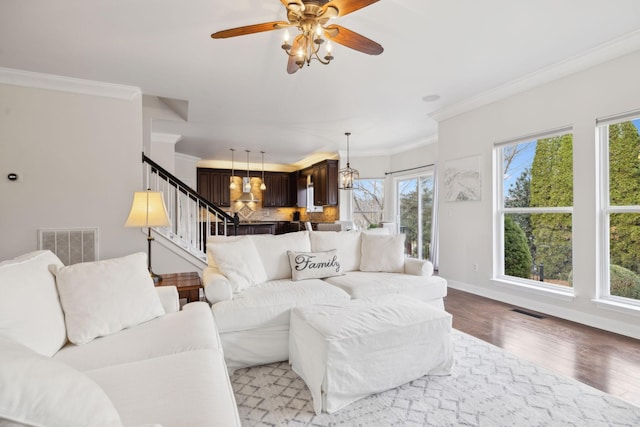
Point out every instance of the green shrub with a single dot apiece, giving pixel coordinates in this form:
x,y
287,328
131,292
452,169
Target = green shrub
x,y
517,258
624,282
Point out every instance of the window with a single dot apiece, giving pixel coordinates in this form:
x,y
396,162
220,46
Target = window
x,y
620,143
534,209
415,212
368,202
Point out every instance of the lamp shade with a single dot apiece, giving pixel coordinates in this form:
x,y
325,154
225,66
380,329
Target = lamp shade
x,y
148,210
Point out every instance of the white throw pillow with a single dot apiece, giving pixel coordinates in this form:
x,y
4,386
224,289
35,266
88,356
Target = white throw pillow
x,y
314,265
103,297
30,310
273,251
382,253
347,244
238,259
38,391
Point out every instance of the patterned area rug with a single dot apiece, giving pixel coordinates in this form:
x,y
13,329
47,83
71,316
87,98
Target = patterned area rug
x,y
488,387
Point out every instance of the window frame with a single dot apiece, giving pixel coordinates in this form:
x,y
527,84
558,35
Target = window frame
x,y
603,288
500,211
429,171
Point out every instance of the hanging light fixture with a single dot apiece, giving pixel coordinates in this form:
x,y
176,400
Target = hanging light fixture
x,y
347,175
307,44
232,184
247,195
247,182
263,186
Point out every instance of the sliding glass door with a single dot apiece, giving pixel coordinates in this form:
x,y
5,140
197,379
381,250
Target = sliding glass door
x,y
415,213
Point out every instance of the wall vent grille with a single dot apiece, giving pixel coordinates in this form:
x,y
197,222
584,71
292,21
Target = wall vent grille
x,y
528,313
70,245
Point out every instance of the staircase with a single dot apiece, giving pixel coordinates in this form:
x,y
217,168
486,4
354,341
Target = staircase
x,y
193,219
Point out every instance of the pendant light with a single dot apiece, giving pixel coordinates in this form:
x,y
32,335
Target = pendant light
x,y
347,175
247,182
263,186
232,184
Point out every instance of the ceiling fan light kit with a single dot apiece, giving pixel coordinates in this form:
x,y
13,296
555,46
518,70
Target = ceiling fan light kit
x,y
311,17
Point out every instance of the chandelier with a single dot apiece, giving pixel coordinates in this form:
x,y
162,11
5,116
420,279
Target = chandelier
x,y
306,45
347,176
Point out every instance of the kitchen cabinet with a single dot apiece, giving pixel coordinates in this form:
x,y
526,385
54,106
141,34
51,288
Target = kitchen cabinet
x,y
325,183
213,185
300,187
253,228
278,192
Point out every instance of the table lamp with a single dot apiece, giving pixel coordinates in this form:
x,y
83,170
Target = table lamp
x,y
148,210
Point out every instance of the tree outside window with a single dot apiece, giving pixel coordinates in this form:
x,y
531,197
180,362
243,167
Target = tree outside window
x,y
368,202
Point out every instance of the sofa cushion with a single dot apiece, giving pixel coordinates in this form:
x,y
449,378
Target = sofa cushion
x,y
363,284
36,390
189,329
347,243
238,259
382,253
269,303
314,265
273,251
103,297
30,310
183,389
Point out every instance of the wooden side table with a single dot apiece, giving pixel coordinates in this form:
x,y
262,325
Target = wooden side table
x,y
188,284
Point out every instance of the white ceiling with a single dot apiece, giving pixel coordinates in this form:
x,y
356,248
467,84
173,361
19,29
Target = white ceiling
x,y
239,93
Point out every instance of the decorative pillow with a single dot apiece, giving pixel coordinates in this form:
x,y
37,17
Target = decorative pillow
x,y
30,310
273,251
382,253
314,265
103,297
238,259
346,242
39,391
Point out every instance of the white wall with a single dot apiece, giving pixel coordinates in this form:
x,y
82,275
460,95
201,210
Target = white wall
x,y
79,159
466,227
187,169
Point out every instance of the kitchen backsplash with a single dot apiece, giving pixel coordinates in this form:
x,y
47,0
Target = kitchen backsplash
x,y
255,212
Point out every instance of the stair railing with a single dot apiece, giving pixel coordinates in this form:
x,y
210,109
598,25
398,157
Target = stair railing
x,y
193,219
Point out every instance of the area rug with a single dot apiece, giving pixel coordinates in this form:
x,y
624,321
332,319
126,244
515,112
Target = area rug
x,y
487,387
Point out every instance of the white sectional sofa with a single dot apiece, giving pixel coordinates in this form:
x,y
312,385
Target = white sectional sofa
x,y
134,359
253,283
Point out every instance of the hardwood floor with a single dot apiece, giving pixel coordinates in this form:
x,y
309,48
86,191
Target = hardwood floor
x,y
604,360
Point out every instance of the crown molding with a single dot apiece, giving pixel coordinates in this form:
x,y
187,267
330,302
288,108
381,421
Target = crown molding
x,y
187,157
432,139
600,54
67,84
167,138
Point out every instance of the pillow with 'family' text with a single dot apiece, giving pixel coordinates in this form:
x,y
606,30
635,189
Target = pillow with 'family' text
x,y
314,265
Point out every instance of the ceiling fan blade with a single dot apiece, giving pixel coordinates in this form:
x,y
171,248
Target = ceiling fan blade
x,y
292,67
352,40
347,6
250,29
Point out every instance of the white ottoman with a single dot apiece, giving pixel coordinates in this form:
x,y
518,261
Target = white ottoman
x,y
347,351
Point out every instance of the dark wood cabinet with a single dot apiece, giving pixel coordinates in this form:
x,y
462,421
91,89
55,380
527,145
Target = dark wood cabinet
x,y
300,188
253,228
213,185
325,183
278,192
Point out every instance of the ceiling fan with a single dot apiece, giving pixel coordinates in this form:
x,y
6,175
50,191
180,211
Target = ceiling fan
x,y
311,18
